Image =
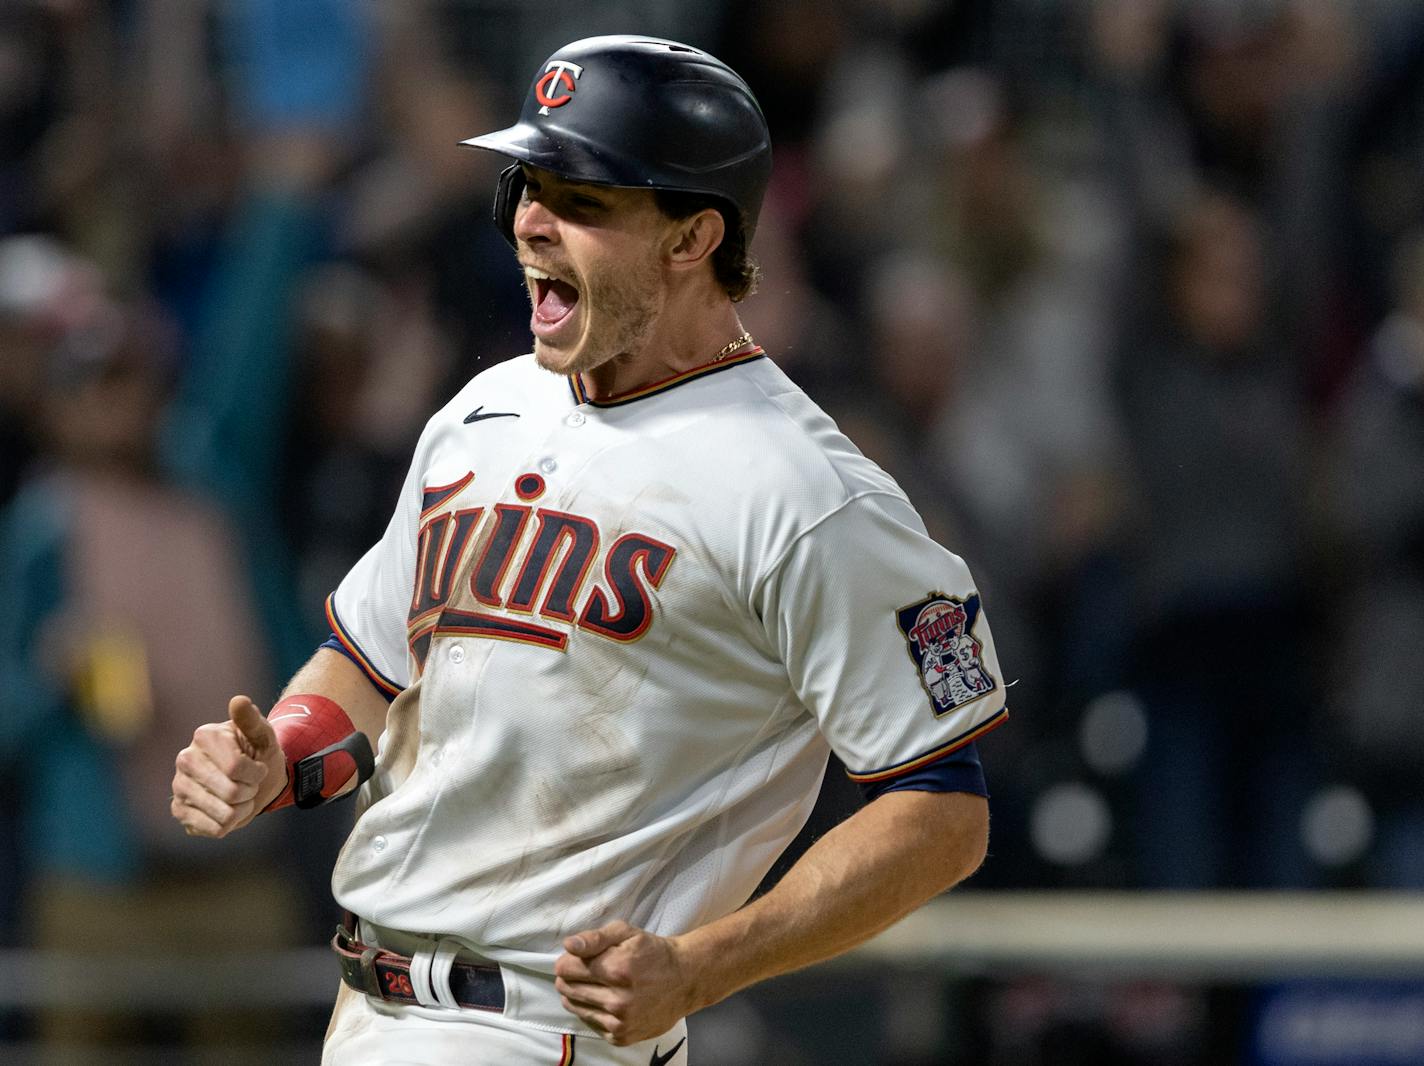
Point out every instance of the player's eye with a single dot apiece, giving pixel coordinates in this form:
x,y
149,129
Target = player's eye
x,y
586,203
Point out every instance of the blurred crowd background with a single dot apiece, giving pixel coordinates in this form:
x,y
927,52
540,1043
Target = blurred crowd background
x,y
1127,294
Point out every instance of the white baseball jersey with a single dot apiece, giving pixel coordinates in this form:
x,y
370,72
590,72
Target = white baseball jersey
x,y
625,635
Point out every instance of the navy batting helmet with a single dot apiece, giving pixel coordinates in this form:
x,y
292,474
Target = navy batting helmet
x,y
638,112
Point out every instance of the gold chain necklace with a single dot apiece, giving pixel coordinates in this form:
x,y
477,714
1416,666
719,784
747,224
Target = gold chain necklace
x,y
731,346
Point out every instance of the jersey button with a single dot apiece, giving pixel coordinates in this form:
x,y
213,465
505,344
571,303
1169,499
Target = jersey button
x,y
548,465
379,844
576,418
457,654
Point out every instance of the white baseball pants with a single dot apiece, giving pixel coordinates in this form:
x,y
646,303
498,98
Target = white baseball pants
x,y
369,1032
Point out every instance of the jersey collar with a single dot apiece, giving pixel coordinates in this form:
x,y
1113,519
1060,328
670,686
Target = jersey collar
x,y
716,367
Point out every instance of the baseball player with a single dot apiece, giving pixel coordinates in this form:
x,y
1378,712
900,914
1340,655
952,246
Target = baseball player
x,y
635,588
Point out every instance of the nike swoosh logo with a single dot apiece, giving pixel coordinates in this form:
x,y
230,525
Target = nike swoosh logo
x,y
479,414
305,712
662,1060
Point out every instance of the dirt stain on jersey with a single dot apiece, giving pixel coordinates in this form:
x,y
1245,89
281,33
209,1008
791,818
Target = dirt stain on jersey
x,y
591,796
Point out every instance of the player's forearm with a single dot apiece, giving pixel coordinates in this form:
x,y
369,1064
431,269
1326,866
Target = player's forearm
x,y
863,876
329,673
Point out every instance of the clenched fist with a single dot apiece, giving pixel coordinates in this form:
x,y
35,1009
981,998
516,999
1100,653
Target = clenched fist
x,y
229,773
629,984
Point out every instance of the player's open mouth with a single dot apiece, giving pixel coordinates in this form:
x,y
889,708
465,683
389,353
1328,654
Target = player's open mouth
x,y
554,301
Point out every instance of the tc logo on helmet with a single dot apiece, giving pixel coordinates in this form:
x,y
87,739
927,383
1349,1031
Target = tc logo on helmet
x,y
556,76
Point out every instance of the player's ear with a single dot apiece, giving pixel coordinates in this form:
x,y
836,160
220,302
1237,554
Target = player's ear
x,y
693,239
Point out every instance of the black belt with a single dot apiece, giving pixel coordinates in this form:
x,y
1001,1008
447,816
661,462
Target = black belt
x,y
386,975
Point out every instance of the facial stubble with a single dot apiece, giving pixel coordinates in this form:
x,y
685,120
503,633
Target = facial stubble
x,y
619,305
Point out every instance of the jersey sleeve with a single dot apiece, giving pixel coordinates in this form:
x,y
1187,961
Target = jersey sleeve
x,y
367,612
884,638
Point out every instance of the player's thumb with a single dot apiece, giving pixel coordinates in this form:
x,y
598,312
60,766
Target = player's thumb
x,y
249,721
593,942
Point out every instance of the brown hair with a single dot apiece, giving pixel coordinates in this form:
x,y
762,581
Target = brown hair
x,y
732,265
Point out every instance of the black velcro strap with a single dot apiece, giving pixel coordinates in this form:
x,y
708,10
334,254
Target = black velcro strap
x,y
386,975
320,776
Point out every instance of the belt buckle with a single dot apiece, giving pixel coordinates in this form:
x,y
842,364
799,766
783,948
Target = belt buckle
x,y
369,977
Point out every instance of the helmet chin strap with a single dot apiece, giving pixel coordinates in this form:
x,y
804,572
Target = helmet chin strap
x,y
507,195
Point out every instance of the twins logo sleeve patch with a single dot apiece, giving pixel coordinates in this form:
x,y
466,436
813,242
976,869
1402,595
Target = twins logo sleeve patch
x,y
939,635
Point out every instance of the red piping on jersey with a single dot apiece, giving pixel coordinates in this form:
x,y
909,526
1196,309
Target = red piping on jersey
x,y
376,677
581,394
568,1056
939,753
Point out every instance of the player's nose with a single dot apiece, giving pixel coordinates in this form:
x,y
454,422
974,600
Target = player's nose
x,y
533,222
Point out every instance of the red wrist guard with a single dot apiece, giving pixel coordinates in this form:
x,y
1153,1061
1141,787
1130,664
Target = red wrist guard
x,y
322,747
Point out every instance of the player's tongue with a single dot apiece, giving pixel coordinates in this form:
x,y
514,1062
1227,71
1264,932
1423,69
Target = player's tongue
x,y
554,300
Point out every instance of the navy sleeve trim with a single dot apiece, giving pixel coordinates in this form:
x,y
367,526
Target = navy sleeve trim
x,y
348,647
959,771
334,643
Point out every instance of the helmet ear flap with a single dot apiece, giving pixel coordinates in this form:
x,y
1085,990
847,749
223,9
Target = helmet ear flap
x,y
507,195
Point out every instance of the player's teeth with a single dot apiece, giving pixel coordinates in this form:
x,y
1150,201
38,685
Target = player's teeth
x,y
539,274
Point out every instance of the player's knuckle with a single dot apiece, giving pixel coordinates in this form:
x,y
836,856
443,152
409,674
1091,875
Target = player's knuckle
x,y
209,733
228,790
229,764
